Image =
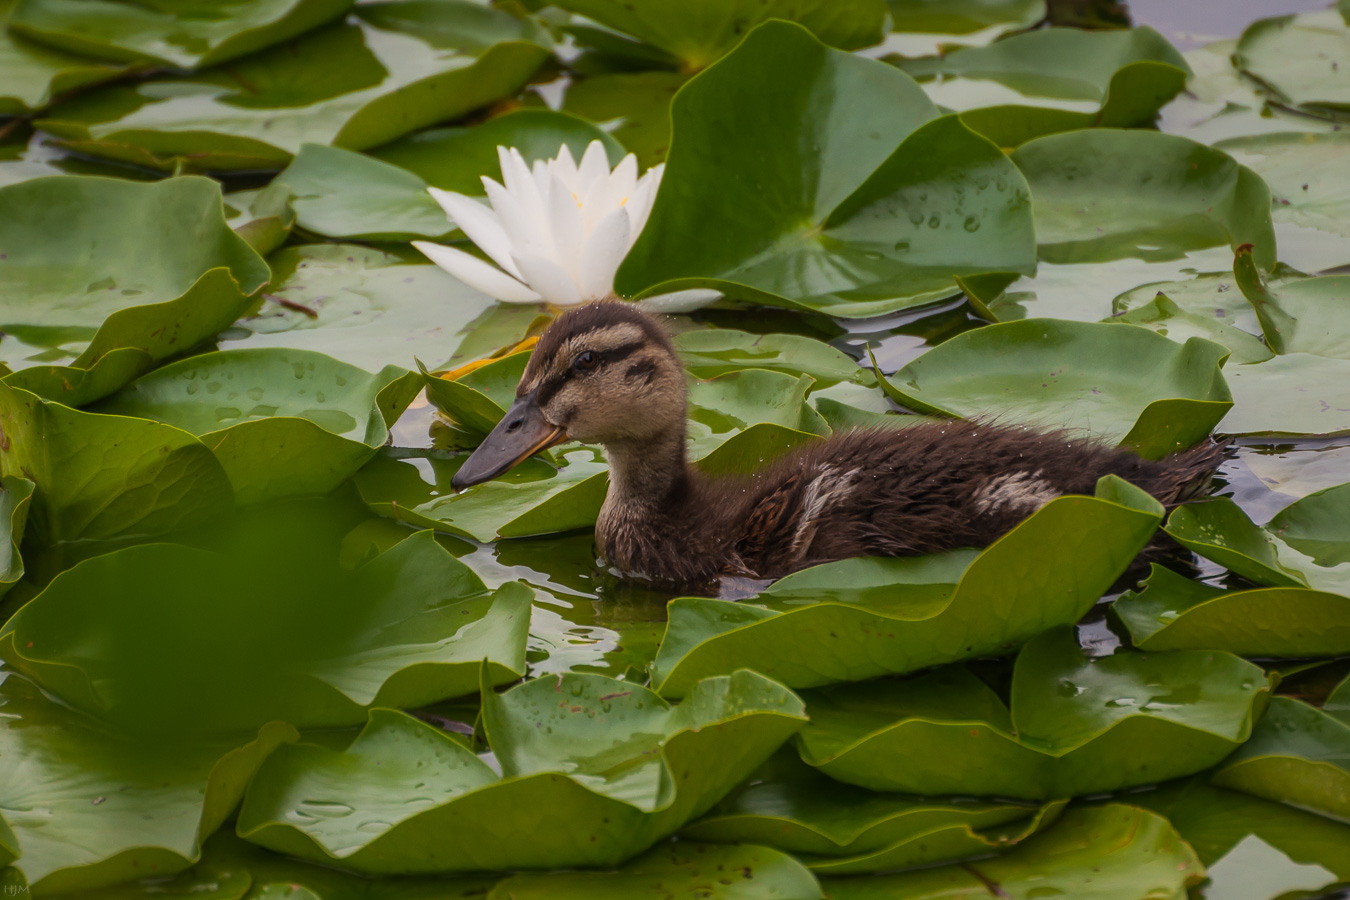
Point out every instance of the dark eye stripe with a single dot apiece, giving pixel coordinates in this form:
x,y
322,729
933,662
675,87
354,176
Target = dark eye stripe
x,y
552,385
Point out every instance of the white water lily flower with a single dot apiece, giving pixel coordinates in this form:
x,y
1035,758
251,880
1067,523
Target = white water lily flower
x,y
558,231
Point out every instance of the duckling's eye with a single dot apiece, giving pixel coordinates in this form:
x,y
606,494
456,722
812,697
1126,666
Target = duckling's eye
x,y
585,362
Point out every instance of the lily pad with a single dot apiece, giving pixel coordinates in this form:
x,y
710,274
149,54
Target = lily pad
x,y
1304,59
963,16
15,494
1110,852
701,32
344,194
166,34
386,70
855,207
634,107
104,277
370,307
1164,316
1076,726
860,618
1307,173
839,829
1310,315
33,76
1175,613
263,218
677,872
457,158
78,803
1297,755
282,422
411,627
715,351
589,795
1104,194
1131,386
103,476
1294,393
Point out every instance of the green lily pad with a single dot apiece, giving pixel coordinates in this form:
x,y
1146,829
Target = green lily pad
x,y
33,76
839,829
1307,173
15,494
1294,393
169,35
102,476
1303,546
92,807
1101,381
1297,755
457,158
371,307
263,218
860,618
700,33
344,194
105,277
1110,852
1076,726
634,107
676,872
386,70
1305,316
1104,194
589,795
282,423
855,207
963,16
1304,59
408,628
1164,316
715,351
1176,613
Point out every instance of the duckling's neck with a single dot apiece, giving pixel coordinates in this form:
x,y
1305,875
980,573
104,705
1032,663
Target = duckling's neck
x,y
645,474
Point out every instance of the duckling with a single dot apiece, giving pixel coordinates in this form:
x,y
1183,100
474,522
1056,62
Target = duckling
x,y
608,373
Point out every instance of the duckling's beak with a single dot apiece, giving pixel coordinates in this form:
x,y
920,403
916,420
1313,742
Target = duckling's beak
x,y
520,434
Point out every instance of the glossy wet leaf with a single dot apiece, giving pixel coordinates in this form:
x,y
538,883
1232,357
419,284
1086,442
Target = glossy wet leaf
x,y
157,33
104,277
677,872
408,628
635,106
372,308
1298,755
1163,315
15,495
1294,393
1126,385
33,75
282,422
837,207
1110,852
698,32
92,806
1172,612
384,71
860,618
457,158
1076,726
839,829
587,795
103,476
1103,194
343,194
1304,59
1309,315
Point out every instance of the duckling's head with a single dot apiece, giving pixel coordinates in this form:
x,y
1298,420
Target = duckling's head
x,y
603,373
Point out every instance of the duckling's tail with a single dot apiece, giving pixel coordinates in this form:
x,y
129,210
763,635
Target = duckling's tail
x,y
1190,472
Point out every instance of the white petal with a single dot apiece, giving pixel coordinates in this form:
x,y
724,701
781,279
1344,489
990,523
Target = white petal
x,y
477,274
679,301
605,249
526,231
566,226
644,196
549,279
615,191
564,167
479,224
594,169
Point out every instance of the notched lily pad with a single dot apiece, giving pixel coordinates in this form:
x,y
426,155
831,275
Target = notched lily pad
x,y
1076,726
595,769
282,423
1086,377
865,203
860,618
